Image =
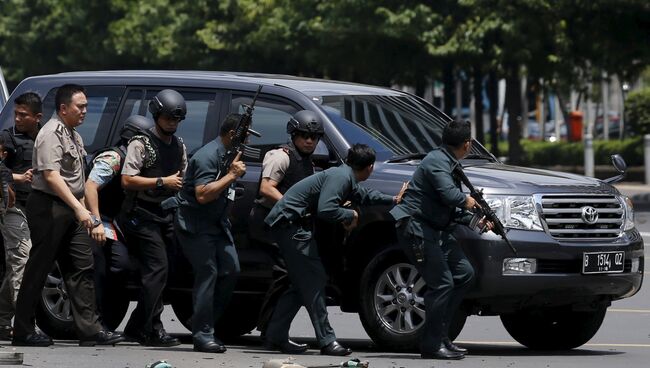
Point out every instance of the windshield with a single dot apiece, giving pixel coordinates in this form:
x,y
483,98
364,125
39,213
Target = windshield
x,y
395,126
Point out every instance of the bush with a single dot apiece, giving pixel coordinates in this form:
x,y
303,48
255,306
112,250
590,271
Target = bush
x,y
541,154
637,107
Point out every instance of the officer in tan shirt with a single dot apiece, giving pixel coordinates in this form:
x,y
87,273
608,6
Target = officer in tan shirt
x,y
60,224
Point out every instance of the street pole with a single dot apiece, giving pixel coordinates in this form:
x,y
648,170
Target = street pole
x,y
605,92
646,157
589,155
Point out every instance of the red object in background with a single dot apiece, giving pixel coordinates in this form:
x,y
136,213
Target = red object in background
x,y
575,126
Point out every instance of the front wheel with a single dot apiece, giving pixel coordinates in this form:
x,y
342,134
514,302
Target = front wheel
x,y
392,304
553,328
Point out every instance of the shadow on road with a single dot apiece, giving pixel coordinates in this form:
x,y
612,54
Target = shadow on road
x,y
368,349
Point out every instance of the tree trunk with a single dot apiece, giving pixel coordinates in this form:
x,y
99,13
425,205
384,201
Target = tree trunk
x,y
477,89
513,104
449,87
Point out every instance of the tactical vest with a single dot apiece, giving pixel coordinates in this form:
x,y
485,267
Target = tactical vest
x,y
167,160
20,160
111,195
299,168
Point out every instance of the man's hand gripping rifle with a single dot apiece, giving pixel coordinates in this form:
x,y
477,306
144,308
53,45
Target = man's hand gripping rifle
x,y
484,209
242,131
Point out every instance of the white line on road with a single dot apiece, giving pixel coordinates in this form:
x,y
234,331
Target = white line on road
x,y
645,234
508,343
628,310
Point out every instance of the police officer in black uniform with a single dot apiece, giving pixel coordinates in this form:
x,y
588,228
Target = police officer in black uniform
x,y
18,141
103,189
426,217
281,169
292,225
203,228
152,172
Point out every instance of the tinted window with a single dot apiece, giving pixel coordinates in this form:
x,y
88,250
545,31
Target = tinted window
x,y
269,119
103,102
200,109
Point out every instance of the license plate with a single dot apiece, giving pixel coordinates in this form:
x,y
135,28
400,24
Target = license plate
x,y
603,262
110,231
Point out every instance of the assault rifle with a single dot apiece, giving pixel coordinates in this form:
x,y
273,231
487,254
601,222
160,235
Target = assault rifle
x,y
242,130
484,210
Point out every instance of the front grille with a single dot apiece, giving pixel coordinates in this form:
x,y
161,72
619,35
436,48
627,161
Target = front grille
x,y
567,216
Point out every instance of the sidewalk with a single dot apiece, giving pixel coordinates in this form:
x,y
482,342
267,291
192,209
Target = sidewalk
x,y
639,194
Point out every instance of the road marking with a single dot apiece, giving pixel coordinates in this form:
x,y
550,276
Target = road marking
x,y
628,310
644,234
508,343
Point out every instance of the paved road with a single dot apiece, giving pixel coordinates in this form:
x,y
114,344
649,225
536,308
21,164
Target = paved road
x,y
622,341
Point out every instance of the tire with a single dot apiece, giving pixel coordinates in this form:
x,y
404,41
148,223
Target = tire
x,y
54,313
553,329
239,318
392,304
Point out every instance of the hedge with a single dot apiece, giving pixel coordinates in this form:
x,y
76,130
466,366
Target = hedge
x,y
539,154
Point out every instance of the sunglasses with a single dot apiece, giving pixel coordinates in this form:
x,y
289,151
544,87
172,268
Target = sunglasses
x,y
312,136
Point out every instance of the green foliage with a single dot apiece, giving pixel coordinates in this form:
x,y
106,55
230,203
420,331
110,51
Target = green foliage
x,y
637,107
544,154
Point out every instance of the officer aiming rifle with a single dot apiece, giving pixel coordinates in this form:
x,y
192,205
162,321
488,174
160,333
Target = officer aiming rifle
x,y
483,209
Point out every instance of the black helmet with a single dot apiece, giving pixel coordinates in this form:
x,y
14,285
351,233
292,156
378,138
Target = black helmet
x,y
135,124
305,121
168,102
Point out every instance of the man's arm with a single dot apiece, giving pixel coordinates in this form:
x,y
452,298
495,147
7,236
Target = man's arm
x,y
207,189
274,167
57,184
269,189
332,194
366,197
133,162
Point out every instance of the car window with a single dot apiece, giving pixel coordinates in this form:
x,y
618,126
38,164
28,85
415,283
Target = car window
x,y
200,110
270,119
103,102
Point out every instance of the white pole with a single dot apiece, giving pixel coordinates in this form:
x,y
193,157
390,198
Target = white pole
x,y
589,155
605,93
646,157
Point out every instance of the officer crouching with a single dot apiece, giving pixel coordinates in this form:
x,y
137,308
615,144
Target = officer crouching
x,y
292,225
203,229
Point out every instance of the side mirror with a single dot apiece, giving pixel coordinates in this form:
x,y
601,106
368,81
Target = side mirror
x,y
619,163
620,166
321,155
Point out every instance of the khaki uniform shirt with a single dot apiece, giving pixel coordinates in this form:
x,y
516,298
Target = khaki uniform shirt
x,y
59,148
274,167
137,155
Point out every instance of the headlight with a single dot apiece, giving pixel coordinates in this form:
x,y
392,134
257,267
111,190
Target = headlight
x,y
629,214
517,212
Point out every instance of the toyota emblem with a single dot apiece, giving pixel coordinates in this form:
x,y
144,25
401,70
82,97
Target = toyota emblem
x,y
589,215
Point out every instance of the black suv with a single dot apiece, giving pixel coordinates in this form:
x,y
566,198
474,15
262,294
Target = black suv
x,y
578,249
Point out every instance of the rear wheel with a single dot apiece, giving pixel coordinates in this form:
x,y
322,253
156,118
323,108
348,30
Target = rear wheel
x,y
392,304
54,313
553,328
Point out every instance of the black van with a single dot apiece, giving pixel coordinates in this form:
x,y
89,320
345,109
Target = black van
x,y
578,249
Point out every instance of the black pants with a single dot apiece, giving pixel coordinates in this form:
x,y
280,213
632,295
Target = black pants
x,y
260,231
308,282
151,242
57,236
111,268
447,274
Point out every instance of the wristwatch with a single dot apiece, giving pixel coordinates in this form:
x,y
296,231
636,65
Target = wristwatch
x,y
159,183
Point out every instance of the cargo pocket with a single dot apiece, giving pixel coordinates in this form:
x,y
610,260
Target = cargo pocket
x,y
302,238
